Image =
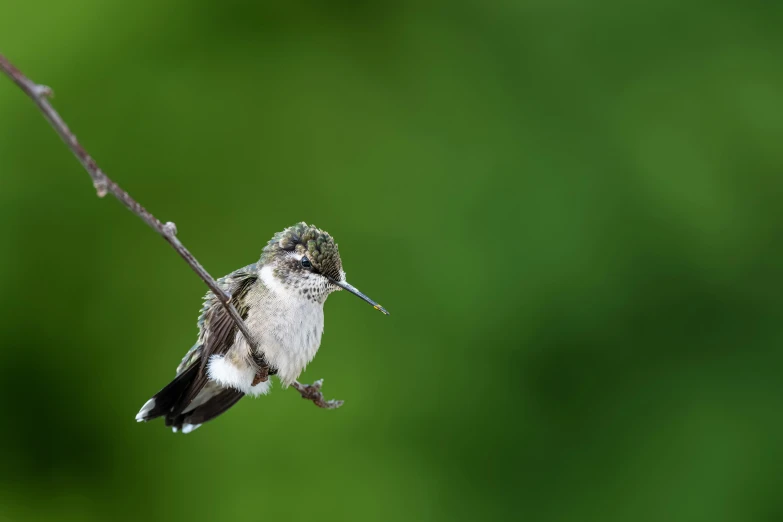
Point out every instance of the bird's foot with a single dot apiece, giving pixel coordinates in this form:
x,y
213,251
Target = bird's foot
x,y
312,392
262,369
261,376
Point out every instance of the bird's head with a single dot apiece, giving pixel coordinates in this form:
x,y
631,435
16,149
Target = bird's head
x,y
305,259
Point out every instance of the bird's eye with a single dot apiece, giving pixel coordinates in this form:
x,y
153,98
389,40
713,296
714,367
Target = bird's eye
x,y
306,262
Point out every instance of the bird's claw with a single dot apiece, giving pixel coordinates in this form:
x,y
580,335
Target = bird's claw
x,y
262,375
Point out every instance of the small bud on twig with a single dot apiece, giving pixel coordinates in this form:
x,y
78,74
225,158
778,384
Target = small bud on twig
x,y
101,188
170,228
41,91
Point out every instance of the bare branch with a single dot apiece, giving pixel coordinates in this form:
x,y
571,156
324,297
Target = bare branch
x,y
40,94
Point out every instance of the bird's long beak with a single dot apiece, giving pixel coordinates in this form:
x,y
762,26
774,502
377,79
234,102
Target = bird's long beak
x,y
355,291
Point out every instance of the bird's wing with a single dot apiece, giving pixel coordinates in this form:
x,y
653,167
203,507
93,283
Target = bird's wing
x,y
216,327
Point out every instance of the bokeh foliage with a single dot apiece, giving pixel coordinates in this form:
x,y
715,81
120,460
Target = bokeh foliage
x,y
571,209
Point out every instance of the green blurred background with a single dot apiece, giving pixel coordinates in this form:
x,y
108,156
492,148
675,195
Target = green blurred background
x,y
572,210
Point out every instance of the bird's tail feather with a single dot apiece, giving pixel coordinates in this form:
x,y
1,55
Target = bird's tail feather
x,y
169,397
211,401
187,402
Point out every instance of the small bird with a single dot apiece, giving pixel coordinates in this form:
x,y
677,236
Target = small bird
x,y
281,300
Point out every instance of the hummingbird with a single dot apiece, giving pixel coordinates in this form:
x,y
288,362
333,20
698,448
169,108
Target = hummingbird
x,y
281,300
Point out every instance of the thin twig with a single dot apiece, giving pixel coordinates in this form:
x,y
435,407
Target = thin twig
x,y
105,185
